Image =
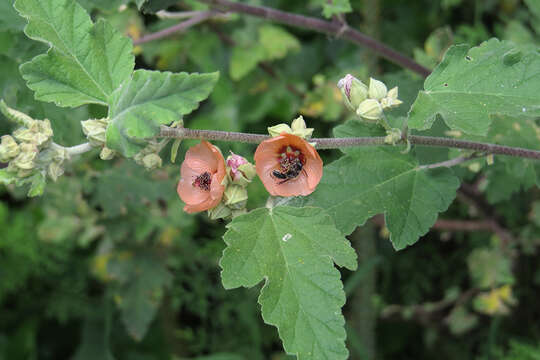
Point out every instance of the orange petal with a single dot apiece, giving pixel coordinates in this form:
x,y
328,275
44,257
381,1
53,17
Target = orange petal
x,y
203,156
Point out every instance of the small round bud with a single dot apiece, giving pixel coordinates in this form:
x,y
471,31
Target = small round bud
x,y
106,153
55,170
377,89
95,131
8,148
151,161
370,109
354,91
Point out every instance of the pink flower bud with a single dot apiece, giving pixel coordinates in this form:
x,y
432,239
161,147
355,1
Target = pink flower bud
x,y
233,162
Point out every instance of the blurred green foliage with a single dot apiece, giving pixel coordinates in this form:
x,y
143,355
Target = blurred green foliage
x,y
107,266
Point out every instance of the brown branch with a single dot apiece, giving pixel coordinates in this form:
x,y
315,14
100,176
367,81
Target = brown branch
x,y
327,27
194,20
471,196
450,225
424,313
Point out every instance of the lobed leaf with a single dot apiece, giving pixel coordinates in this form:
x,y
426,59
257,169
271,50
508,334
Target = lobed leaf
x,y
470,86
86,62
293,249
373,180
151,99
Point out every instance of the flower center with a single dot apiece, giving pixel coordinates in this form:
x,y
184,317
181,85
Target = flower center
x,y
291,163
203,181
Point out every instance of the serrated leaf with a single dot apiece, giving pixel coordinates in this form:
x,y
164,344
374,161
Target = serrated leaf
x,y
373,180
294,250
151,99
141,278
85,62
470,86
37,185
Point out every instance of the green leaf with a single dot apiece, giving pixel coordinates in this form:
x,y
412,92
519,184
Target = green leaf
x,y
469,86
95,341
85,63
151,99
37,186
9,19
276,42
334,7
141,278
373,180
273,43
293,249
244,60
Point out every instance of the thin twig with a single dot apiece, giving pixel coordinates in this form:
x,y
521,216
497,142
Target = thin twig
x,y
452,162
335,143
194,20
451,225
327,27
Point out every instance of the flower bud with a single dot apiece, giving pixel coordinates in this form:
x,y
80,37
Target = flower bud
x,y
55,170
278,129
8,148
235,195
106,153
299,128
24,135
219,212
377,89
95,131
239,170
354,91
370,109
151,161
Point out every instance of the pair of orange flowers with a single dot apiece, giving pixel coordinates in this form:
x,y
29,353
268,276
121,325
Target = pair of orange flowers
x,y
286,164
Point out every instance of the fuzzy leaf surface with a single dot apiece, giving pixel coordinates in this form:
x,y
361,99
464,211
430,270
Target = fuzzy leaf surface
x,y
294,250
470,86
373,180
151,99
86,62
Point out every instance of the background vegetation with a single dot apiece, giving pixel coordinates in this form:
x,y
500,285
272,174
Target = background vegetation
x,y
107,266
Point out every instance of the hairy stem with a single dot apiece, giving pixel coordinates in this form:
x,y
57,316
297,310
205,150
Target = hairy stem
x,y
335,143
327,27
75,150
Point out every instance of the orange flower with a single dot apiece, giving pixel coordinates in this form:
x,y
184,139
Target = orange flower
x,y
201,174
288,165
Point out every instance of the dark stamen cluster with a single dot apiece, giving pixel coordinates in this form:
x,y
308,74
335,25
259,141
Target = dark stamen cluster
x,y
203,181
